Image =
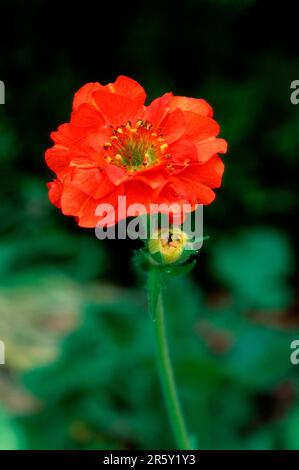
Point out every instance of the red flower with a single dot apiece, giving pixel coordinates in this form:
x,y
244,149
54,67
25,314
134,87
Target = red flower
x,y
115,145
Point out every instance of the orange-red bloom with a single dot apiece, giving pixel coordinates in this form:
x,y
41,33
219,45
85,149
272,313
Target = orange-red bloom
x,y
115,145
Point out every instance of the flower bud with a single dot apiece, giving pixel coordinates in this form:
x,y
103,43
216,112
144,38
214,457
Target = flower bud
x,y
169,243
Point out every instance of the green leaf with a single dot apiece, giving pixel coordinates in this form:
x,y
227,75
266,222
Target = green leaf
x,y
255,265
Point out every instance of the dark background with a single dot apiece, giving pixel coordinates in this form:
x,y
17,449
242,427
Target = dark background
x,y
79,367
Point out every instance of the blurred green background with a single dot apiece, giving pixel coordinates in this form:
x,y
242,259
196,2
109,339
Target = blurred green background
x,y
80,370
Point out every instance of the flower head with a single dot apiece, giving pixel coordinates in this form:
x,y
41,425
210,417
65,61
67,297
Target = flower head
x,y
114,145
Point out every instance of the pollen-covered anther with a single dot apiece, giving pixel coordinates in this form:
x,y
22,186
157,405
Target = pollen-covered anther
x,y
169,167
163,147
145,160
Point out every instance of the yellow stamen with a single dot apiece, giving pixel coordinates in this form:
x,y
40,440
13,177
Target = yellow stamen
x,y
163,147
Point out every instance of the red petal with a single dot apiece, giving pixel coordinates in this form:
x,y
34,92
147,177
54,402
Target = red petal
x,y
200,127
87,217
125,86
192,190
116,174
95,141
67,135
210,147
169,196
84,94
152,177
210,173
91,181
116,109
157,110
72,200
195,105
137,193
183,152
55,189
173,126
58,160
87,116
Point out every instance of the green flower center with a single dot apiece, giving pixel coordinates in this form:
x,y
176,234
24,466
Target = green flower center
x,y
135,147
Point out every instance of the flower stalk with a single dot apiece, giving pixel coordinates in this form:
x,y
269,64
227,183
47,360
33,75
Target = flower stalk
x,y
164,364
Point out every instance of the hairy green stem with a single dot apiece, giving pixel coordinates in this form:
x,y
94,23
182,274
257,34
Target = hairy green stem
x,y
165,368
